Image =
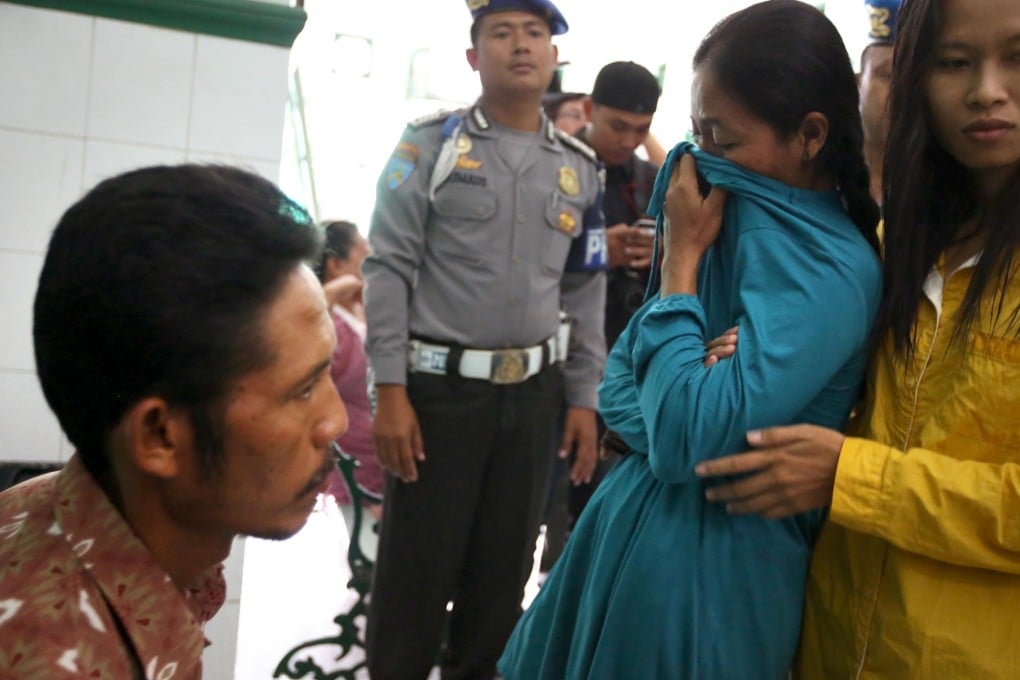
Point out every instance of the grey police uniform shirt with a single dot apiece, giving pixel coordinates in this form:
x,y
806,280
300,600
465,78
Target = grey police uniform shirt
x,y
484,264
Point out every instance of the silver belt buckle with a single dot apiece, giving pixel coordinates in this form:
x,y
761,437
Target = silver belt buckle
x,y
509,366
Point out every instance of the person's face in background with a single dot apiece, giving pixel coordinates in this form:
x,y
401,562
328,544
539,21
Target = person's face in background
x,y
973,88
514,54
615,134
350,265
724,127
571,116
876,73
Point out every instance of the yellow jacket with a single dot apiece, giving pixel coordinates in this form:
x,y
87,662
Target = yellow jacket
x,y
917,573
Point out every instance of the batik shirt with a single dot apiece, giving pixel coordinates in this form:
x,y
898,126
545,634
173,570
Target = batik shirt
x,y
80,595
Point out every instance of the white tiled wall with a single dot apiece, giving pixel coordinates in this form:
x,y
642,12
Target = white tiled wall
x,y
85,98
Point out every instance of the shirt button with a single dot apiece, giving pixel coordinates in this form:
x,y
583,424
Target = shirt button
x,y
520,219
480,210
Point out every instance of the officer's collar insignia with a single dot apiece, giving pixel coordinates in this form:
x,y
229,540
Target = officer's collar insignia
x,y
481,120
569,183
550,130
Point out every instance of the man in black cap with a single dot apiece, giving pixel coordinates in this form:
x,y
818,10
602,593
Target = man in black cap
x,y
620,111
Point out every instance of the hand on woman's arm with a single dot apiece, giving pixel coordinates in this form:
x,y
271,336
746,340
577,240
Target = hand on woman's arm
x,y
792,470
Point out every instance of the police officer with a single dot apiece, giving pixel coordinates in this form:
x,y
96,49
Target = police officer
x,y
488,222
873,83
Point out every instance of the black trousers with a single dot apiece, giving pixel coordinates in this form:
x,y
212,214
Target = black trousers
x,y
465,531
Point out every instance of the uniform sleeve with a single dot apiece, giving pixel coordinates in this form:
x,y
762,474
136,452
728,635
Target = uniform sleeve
x,y
962,512
801,320
397,242
583,297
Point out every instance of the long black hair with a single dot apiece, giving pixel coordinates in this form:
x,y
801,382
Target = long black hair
x,y
783,59
928,194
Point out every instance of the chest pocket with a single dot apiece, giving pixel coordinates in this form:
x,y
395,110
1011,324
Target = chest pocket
x,y
564,219
462,229
988,397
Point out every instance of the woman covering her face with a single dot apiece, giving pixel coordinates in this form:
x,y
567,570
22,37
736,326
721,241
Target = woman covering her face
x,y
656,580
917,573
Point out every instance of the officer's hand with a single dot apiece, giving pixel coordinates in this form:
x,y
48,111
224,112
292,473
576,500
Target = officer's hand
x,y
579,435
616,244
398,442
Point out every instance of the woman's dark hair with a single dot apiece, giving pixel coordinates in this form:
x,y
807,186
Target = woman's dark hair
x,y
783,59
927,195
155,284
340,237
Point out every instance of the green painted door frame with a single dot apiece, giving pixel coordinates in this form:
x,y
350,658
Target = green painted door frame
x,y
249,20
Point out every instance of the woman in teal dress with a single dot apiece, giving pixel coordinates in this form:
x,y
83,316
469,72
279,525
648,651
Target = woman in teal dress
x,y
657,582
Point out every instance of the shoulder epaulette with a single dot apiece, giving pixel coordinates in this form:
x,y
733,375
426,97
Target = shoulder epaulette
x,y
578,146
430,119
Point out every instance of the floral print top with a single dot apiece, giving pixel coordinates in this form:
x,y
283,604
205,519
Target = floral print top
x,y
80,595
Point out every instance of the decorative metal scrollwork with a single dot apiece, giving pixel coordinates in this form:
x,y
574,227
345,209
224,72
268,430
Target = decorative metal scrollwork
x,y
301,662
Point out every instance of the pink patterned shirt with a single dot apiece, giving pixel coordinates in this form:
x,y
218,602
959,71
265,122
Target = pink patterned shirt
x,y
81,597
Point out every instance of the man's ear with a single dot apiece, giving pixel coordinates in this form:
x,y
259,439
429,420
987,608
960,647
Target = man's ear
x,y
814,130
156,437
472,57
587,104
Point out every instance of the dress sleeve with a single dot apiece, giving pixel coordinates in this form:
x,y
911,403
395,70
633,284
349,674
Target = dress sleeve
x,y
617,404
962,512
397,241
802,319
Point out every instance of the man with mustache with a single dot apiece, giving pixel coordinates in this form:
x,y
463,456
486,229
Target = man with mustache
x,y
184,346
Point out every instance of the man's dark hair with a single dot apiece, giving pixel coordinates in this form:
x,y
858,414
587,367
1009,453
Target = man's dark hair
x,y
781,80
155,284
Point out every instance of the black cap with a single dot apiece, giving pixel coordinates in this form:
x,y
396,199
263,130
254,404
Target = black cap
x,y
626,86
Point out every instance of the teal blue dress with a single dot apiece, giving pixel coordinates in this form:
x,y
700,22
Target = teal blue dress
x,y
655,581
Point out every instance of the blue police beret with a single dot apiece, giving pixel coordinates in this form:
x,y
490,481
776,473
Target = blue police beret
x,y
883,20
542,8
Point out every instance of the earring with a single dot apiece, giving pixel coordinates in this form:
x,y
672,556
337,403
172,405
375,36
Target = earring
x,y
806,156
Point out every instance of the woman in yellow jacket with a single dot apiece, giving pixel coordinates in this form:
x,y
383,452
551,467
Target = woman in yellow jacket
x,y
917,573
